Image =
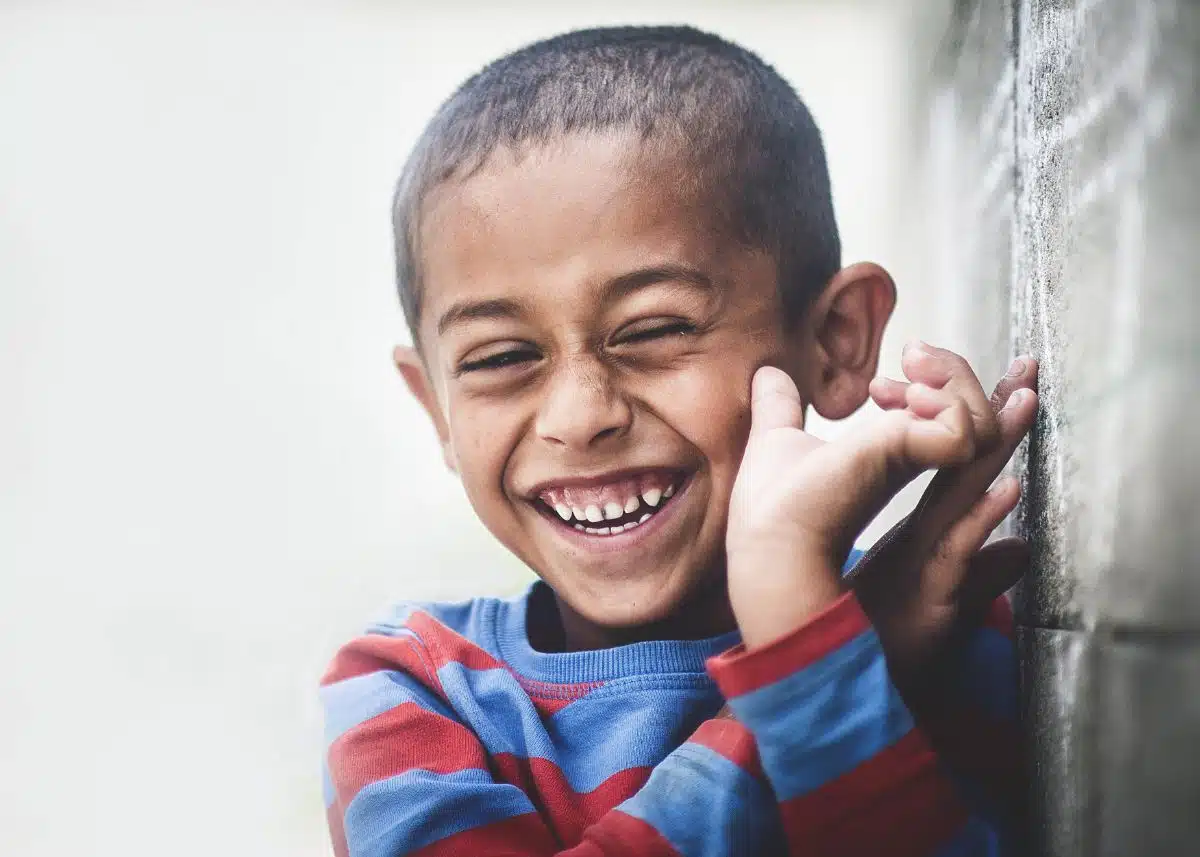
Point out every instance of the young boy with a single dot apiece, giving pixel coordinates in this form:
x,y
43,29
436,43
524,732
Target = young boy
x,y
619,262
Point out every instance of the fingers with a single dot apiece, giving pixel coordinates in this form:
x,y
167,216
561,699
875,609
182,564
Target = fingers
x,y
957,548
887,393
969,532
774,401
944,433
941,369
952,491
993,571
938,433
1022,374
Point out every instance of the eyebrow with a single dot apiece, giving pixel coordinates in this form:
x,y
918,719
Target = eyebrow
x,y
617,288
472,310
626,284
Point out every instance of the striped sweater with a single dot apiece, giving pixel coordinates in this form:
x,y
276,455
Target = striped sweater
x,y
448,734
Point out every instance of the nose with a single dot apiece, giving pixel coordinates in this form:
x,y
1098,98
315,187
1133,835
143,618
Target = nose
x,y
582,406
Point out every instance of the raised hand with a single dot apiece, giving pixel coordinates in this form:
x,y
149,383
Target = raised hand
x,y
799,502
932,571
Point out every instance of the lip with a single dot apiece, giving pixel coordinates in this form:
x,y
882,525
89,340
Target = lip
x,y
610,476
628,540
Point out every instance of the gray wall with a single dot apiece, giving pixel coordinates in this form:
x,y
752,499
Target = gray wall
x,y
1063,164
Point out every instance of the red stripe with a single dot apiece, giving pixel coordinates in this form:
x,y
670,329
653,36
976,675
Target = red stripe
x,y
618,833
898,803
337,832
376,652
568,812
739,671
444,646
399,740
730,739
987,750
449,647
1000,616
526,836
519,836
373,653
560,695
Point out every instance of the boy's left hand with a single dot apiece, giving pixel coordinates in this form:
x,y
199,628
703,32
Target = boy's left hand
x,y
931,571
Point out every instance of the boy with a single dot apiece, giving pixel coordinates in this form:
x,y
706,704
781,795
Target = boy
x,y
618,259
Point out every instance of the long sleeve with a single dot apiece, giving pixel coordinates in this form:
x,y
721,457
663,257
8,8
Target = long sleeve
x,y
852,773
971,719
405,776
966,705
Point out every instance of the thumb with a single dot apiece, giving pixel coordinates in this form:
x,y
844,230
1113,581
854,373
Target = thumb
x,y
993,570
774,401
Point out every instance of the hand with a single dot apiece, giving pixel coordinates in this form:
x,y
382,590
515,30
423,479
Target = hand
x,y
798,502
932,571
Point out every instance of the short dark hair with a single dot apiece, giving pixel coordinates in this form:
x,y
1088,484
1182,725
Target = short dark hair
x,y
745,129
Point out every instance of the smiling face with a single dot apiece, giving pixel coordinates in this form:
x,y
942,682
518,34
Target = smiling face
x,y
589,335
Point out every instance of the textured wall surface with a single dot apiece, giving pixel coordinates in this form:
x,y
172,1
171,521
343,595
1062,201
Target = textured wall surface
x,y
1064,154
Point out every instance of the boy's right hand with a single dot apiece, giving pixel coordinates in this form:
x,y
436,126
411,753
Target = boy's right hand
x,y
799,502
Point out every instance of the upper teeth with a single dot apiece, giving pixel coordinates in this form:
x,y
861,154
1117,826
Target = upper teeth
x,y
612,509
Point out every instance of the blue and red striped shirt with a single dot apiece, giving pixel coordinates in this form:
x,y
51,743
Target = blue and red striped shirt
x,y
447,733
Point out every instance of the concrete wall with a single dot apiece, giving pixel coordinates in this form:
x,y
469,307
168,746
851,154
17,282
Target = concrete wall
x,y
1063,169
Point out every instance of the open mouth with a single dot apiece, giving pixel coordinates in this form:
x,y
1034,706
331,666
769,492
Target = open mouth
x,y
612,508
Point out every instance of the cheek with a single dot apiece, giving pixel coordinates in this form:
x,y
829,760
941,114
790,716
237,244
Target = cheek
x,y
710,406
483,437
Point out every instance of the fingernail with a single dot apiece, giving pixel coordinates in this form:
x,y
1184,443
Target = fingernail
x,y
1002,485
1017,368
1015,398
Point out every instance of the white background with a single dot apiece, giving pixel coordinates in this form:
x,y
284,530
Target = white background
x,y
209,474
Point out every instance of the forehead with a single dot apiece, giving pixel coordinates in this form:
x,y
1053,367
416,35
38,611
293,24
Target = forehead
x,y
559,217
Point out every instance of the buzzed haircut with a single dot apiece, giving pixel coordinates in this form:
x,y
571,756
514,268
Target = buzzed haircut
x,y
750,140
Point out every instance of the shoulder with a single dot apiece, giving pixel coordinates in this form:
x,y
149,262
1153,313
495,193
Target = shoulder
x,y
421,637
472,619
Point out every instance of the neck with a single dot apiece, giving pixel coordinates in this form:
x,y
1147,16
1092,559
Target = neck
x,y
707,613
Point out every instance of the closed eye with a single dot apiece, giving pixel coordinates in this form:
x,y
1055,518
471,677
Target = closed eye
x,y
658,331
501,360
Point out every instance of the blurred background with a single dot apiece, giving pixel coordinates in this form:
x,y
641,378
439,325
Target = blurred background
x,y
210,475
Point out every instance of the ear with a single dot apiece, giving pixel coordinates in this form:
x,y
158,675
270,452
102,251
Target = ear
x,y
412,370
846,325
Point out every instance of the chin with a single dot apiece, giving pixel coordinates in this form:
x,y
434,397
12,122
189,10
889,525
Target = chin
x,y
664,606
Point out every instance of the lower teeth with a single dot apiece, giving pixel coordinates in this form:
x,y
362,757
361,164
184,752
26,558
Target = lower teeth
x,y
612,531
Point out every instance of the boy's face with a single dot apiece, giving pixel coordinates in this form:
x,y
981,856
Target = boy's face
x,y
589,335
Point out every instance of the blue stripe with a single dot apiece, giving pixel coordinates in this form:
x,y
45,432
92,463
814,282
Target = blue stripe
x,y
398,815
989,673
976,839
627,725
353,701
622,725
827,719
497,710
706,806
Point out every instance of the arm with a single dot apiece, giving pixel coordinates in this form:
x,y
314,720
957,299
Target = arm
x,y
963,691
406,777
970,715
852,773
